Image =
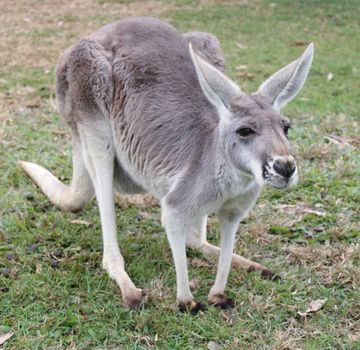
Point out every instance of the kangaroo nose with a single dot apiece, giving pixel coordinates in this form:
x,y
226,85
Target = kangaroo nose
x,y
285,168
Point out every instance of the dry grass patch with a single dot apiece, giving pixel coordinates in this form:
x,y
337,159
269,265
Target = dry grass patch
x,y
334,265
224,2
140,201
34,33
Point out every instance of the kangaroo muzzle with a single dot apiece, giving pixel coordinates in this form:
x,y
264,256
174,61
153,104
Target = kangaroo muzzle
x,y
281,172
285,168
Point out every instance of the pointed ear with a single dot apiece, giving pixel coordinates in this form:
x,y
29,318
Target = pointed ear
x,y
218,89
285,84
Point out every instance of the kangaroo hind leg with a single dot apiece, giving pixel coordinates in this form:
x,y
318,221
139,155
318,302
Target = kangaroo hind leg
x,y
99,157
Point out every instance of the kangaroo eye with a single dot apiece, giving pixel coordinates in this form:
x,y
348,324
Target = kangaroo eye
x,y
286,129
245,132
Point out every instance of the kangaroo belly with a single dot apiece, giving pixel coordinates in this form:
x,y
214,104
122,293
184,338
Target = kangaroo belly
x,y
123,182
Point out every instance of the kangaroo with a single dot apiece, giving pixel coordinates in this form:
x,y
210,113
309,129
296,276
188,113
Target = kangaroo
x,y
150,110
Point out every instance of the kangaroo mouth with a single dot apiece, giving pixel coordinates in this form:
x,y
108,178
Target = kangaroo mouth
x,y
266,173
276,180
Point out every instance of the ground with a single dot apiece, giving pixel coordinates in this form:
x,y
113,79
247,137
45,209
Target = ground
x,y
53,292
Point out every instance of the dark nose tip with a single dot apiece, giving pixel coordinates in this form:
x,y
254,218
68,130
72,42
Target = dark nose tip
x,y
285,168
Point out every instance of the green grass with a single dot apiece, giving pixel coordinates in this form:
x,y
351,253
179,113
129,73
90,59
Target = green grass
x,y
53,292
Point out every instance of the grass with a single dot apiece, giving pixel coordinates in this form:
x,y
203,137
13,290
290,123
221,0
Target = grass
x,y
53,292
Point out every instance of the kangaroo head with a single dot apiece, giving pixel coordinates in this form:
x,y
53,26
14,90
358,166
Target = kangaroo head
x,y
253,132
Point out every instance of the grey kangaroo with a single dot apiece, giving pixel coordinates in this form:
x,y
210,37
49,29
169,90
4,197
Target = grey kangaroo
x,y
150,110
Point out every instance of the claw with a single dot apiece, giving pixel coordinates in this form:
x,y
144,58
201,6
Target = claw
x,y
221,301
193,306
265,273
136,300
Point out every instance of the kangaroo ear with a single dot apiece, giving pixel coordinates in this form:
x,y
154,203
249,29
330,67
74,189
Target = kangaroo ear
x,y
285,84
218,89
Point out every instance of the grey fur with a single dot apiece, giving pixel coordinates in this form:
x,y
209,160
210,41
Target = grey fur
x,y
149,98
131,95
207,47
